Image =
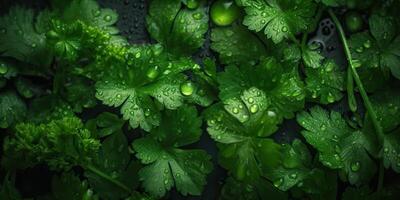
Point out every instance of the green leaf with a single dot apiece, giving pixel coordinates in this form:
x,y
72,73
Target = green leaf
x,y
21,40
326,83
47,108
391,151
324,132
80,93
339,146
311,57
236,45
378,48
179,29
295,166
61,144
12,109
278,19
89,12
147,76
259,189
386,104
167,165
68,186
114,160
244,149
108,124
284,92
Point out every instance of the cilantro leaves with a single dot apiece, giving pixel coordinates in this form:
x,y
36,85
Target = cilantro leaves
x,y
167,165
279,20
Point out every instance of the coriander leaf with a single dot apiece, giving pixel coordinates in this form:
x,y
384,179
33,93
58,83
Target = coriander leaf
x,y
386,104
391,151
326,83
259,189
324,131
12,109
80,93
167,165
339,146
236,45
295,166
89,12
132,87
379,47
114,160
283,89
311,57
279,19
179,29
68,186
244,148
20,39
108,124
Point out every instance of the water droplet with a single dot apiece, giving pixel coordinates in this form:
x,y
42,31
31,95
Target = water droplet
x,y
360,49
166,181
386,150
293,176
367,44
147,112
323,127
330,98
355,166
284,29
187,88
153,72
253,108
250,100
235,110
96,13
3,68
137,55
197,16
107,18
278,182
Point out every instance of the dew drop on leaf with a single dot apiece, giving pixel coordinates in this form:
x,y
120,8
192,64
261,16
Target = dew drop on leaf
x,y
107,18
355,166
153,72
235,110
197,16
367,44
293,176
278,182
187,88
253,109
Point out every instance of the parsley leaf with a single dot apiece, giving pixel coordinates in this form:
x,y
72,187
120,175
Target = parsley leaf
x,y
20,39
326,83
259,189
245,149
379,47
236,45
340,146
179,29
167,165
12,109
283,89
68,186
279,19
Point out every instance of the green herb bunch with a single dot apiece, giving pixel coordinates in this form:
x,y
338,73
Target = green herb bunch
x,y
109,119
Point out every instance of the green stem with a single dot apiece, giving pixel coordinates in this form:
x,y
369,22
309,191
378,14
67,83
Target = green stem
x,y
367,102
351,99
364,95
108,178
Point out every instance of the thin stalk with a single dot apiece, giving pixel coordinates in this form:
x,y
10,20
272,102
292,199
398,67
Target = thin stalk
x,y
108,178
367,102
364,95
351,99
